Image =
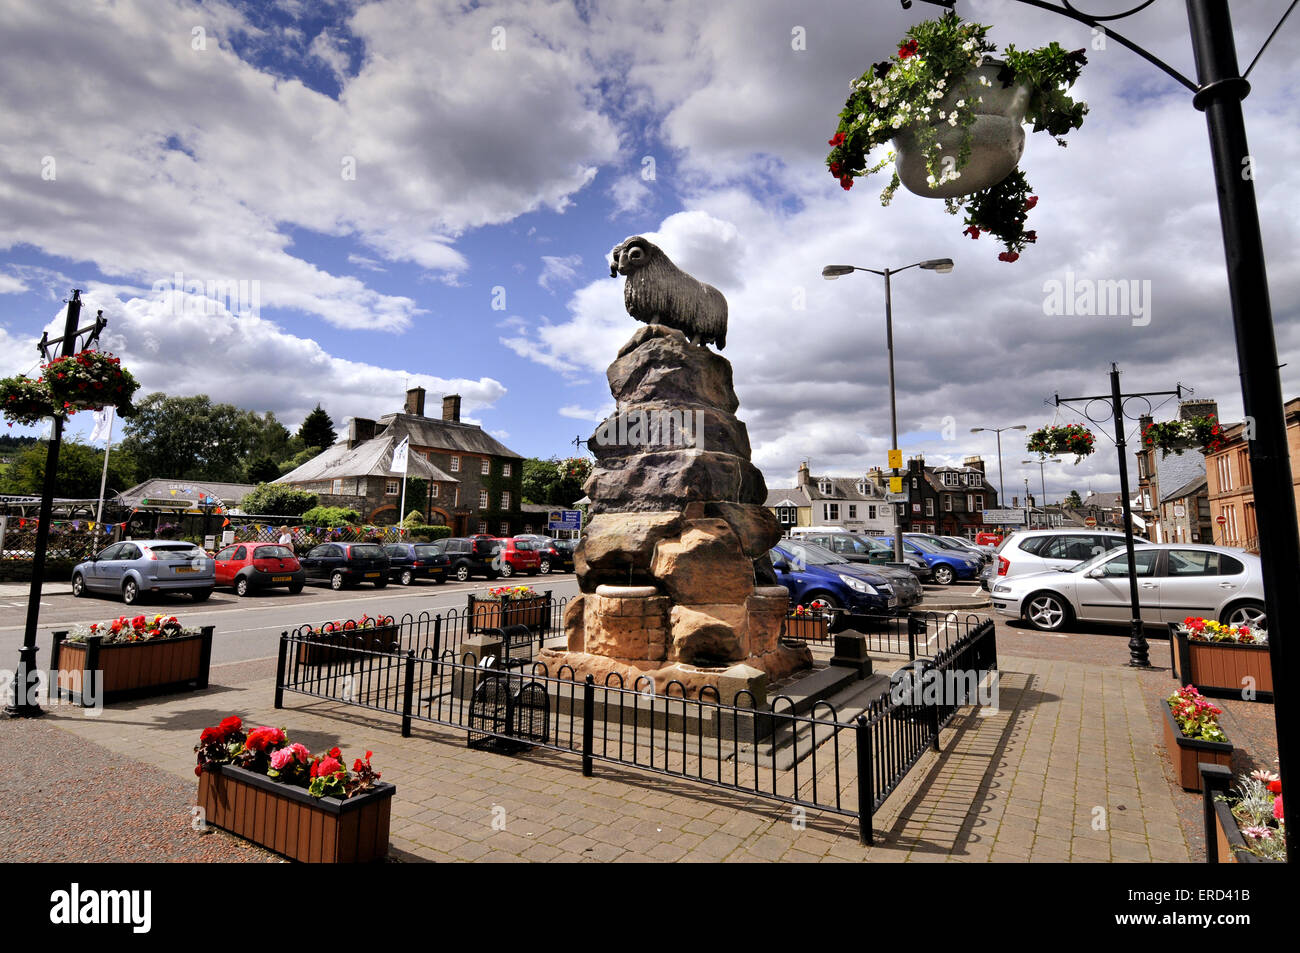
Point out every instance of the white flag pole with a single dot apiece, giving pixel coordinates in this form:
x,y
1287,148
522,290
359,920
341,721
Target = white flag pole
x,y
103,479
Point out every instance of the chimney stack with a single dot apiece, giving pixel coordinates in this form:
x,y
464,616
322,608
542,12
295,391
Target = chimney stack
x,y
804,478
415,401
360,429
451,408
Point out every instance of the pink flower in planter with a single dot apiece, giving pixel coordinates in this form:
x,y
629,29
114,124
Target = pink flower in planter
x,y
1257,833
281,759
299,751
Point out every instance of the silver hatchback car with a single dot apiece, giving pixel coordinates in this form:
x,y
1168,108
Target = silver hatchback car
x,y
135,567
1175,580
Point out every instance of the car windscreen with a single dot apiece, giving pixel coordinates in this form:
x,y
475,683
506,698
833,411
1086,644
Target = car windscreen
x,y
424,552
923,544
272,552
366,551
813,555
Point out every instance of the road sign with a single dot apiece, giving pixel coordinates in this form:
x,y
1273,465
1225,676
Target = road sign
x,y
1090,522
1004,516
895,459
895,497
1221,520
895,484
564,519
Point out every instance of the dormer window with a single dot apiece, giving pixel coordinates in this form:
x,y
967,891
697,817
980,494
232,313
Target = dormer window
x,y
862,488
976,479
824,487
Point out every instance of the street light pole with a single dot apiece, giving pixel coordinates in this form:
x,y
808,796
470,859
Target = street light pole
x,y
998,430
830,273
1042,481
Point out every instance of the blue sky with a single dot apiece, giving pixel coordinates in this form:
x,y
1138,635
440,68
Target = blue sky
x,y
508,146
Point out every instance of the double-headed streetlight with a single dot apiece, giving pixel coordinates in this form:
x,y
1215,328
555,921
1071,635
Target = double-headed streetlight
x,y
1041,461
830,273
998,431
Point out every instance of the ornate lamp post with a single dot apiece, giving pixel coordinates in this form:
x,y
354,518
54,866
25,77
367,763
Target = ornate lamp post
x,y
830,273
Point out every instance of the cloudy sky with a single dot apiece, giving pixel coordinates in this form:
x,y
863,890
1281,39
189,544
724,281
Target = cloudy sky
x,y
425,193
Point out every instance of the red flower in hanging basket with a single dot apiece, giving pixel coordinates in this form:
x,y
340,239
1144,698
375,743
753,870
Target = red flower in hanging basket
x,y
907,50
1008,255
972,231
836,140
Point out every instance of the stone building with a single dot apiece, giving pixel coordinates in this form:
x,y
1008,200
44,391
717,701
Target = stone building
x,y
1229,486
854,504
946,500
475,483
1163,481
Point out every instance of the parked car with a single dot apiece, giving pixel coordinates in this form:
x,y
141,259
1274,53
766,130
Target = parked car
x,y
985,551
865,549
408,562
952,544
946,565
991,540
1175,580
346,564
555,557
818,577
136,567
519,556
247,567
472,556
1033,550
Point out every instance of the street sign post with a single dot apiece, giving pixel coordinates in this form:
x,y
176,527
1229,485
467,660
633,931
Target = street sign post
x,y
1016,517
1090,522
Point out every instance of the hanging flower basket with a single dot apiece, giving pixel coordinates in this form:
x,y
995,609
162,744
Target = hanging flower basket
x,y
1198,433
91,380
955,116
25,401
1072,438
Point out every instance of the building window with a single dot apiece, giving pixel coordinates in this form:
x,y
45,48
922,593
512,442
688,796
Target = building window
x,y
482,499
947,502
505,529
831,511
853,511
505,501
487,467
929,506
950,479
482,526
871,512
970,503
455,464
392,487
785,515
505,469
824,487
336,487
979,502
913,483
433,490
977,479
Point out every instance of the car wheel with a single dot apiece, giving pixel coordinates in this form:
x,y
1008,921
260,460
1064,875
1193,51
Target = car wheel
x,y
381,583
201,595
1252,614
130,592
545,568
462,574
1047,612
241,586
943,575
295,588
336,581
78,586
440,579
506,571
406,578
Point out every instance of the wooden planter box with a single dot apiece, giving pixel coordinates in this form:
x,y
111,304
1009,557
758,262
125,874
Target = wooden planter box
x,y
291,822
130,669
1186,753
1224,843
533,612
808,628
331,647
1219,669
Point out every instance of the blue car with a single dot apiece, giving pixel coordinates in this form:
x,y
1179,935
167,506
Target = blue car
x,y
819,577
137,567
946,565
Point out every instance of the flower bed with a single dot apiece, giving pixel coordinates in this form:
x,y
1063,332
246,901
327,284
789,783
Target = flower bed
x,y
1175,436
1222,660
953,110
1193,736
807,624
509,605
328,641
1247,824
134,658
1071,438
278,795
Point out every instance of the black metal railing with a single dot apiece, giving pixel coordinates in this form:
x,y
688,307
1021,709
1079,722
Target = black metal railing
x,y
916,634
814,760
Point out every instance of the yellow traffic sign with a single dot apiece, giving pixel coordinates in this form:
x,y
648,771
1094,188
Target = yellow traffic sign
x,y
895,460
895,484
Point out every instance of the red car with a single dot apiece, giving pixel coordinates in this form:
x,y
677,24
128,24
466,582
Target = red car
x,y
249,566
516,556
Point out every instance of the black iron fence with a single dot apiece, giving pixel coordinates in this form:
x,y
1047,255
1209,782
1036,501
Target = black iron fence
x,y
916,634
814,759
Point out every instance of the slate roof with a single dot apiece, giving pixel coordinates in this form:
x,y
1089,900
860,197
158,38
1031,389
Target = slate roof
x,y
790,496
1190,488
443,435
844,488
372,458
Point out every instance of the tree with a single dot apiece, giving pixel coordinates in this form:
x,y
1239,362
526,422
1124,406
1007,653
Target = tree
x,y
191,438
330,516
263,470
277,499
1073,501
273,442
80,468
555,482
317,429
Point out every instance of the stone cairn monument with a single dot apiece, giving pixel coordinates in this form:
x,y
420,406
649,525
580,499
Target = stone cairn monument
x,y
674,576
